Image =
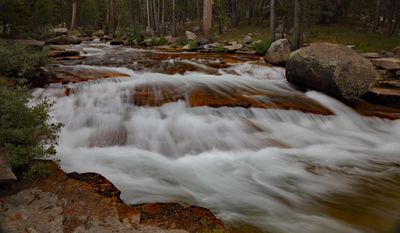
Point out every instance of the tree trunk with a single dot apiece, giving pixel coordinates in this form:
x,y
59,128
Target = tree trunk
x,y
207,18
148,14
377,15
174,33
235,4
272,21
73,19
251,6
297,34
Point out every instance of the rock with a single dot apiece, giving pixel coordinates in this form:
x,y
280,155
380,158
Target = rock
x,y
278,53
233,47
396,52
387,63
90,203
105,38
187,47
116,42
63,53
170,39
334,69
6,174
60,31
247,40
398,74
190,35
64,40
371,55
98,33
388,96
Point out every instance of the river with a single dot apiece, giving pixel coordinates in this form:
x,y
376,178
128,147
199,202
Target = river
x,y
280,170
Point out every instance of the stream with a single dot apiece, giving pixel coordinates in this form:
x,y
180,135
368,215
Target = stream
x,y
218,137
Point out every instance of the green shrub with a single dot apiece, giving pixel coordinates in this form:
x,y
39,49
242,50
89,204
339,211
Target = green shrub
x,y
182,41
219,49
18,60
25,132
193,44
260,47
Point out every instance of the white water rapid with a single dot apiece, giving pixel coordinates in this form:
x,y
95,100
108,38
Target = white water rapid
x,y
265,167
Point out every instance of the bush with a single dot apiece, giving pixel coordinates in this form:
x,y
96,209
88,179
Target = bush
x,y
219,49
18,60
25,132
260,47
193,44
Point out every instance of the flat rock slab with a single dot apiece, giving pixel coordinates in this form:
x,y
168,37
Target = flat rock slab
x,y
387,63
6,174
388,96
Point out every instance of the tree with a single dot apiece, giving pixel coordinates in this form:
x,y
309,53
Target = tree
x,y
174,33
377,14
73,19
296,23
207,18
272,19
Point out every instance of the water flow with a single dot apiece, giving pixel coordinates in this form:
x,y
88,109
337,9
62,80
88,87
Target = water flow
x,y
264,167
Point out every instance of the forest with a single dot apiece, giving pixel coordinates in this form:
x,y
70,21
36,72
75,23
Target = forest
x,y
33,18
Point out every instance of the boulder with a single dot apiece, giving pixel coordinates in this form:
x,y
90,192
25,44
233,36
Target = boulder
x,y
247,39
6,174
233,47
60,31
170,39
64,40
278,53
117,42
190,35
333,69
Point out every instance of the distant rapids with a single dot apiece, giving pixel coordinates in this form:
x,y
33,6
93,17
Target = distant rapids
x,y
280,170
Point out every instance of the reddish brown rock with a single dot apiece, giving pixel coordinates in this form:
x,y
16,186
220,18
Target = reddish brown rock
x,y
89,203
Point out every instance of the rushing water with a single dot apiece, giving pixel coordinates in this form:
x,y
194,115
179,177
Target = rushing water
x,y
279,170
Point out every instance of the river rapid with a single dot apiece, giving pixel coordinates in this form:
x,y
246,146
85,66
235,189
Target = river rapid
x,y
277,170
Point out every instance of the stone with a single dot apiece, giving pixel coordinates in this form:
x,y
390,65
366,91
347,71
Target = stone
x,y
247,40
396,52
333,69
6,174
388,96
387,63
371,55
83,203
233,47
60,31
397,74
64,40
278,53
105,38
117,42
170,39
190,35
63,53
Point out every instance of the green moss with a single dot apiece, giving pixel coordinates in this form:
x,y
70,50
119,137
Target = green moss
x,y
260,47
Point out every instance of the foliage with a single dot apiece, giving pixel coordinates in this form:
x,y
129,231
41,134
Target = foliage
x,y
155,41
260,47
25,132
219,49
193,44
17,59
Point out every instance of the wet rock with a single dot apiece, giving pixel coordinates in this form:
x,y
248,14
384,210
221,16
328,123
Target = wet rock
x,y
82,203
105,38
387,96
387,63
247,40
173,215
278,53
334,69
6,174
117,42
190,35
64,40
60,31
63,53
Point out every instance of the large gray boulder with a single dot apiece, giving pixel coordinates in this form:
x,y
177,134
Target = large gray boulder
x,y
333,69
64,40
278,53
